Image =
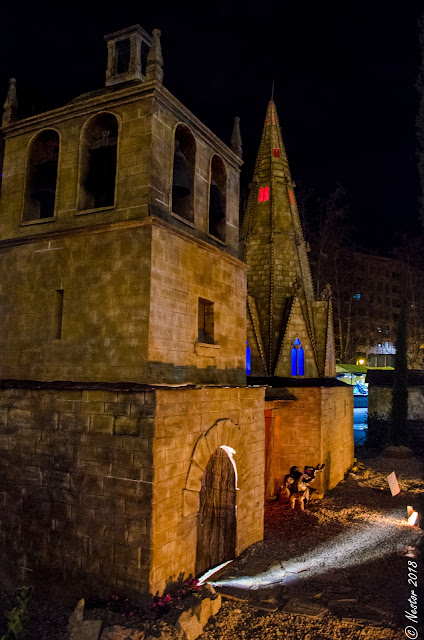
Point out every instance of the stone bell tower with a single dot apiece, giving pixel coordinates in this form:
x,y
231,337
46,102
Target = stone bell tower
x,y
124,404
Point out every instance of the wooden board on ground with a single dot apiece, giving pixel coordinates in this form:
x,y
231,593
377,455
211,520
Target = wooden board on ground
x,y
265,605
303,607
233,593
393,484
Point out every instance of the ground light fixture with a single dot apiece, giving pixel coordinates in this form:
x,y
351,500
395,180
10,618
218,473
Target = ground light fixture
x,y
411,515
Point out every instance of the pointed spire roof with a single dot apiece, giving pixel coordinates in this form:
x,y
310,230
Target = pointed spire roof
x,y
274,247
236,145
154,64
271,139
10,108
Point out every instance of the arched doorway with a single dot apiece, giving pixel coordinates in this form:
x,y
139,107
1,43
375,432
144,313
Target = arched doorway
x,y
216,519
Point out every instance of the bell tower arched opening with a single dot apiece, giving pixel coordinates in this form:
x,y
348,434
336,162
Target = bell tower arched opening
x,y
98,163
183,173
218,199
42,176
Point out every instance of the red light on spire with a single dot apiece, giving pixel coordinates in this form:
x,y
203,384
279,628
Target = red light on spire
x,y
263,194
291,196
276,152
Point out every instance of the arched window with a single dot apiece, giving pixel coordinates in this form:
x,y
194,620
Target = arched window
x,y
98,163
297,359
183,173
218,199
42,176
248,360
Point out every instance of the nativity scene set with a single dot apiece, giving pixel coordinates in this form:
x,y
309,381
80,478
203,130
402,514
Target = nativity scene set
x,y
162,365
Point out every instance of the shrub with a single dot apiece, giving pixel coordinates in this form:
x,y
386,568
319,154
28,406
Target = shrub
x,y
183,589
378,431
18,617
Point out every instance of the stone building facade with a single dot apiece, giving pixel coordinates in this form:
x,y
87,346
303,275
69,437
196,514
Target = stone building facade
x,y
131,449
122,344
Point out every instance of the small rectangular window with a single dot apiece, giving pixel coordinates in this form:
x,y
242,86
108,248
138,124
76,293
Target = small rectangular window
x,y
205,322
59,314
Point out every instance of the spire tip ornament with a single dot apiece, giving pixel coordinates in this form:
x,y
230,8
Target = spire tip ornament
x,y
236,144
154,63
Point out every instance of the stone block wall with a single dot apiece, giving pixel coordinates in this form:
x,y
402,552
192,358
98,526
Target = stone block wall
x,y
337,446
106,292
181,273
76,486
130,308
190,426
100,488
380,401
315,428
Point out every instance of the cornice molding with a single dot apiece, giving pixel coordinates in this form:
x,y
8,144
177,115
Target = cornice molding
x,y
152,221
116,97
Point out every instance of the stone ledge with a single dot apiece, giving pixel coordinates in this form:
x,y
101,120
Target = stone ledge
x,y
206,350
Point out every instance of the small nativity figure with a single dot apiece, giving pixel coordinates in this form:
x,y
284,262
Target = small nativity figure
x,y
296,484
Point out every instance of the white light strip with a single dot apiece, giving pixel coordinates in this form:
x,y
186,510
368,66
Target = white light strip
x,y
209,573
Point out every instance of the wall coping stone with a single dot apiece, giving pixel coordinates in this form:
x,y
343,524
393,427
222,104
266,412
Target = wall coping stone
x,y
123,225
108,386
278,382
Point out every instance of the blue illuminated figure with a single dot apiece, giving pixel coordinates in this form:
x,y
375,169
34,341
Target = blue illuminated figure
x,y
297,359
248,365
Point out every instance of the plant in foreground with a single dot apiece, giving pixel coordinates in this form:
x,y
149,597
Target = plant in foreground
x,y
18,616
122,605
185,588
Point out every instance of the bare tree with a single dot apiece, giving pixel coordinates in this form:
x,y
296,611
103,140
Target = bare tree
x,y
410,252
332,259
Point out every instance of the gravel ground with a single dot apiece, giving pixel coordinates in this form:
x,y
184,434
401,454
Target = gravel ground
x,y
347,544
352,535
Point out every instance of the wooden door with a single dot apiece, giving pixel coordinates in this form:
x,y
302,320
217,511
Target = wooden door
x,y
216,520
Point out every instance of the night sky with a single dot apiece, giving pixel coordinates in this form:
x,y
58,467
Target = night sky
x,y
344,85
